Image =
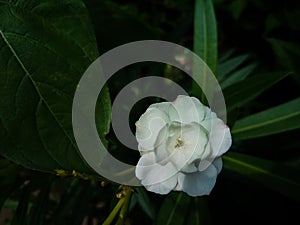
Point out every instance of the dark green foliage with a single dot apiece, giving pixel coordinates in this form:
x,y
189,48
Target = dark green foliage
x,y
45,47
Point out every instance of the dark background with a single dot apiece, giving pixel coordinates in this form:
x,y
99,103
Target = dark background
x,y
267,31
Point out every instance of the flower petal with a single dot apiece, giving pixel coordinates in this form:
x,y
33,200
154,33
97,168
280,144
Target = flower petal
x,y
150,172
208,119
218,163
148,127
219,133
189,168
187,110
220,138
162,106
180,144
141,170
186,143
163,187
180,178
199,183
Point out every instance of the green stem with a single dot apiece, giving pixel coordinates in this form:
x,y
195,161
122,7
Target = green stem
x,y
123,212
114,212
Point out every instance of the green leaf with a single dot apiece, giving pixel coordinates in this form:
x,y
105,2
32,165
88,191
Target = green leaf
x,y
225,56
20,216
237,76
10,180
120,21
44,52
205,38
199,212
10,205
287,54
236,8
272,175
205,33
80,209
278,119
174,209
38,211
242,92
230,65
144,202
68,200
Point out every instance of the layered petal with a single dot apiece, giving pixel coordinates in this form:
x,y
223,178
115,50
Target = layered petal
x,y
143,165
219,138
162,106
218,163
199,183
150,172
181,144
163,187
186,110
209,117
185,143
148,127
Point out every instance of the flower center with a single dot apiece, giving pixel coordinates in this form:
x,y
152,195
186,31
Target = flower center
x,y
179,142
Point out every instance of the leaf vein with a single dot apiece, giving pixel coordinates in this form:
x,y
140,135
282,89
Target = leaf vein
x,y
35,85
265,123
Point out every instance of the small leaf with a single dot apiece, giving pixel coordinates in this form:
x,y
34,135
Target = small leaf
x,y
236,8
174,209
287,54
240,93
230,65
237,76
278,119
225,56
270,174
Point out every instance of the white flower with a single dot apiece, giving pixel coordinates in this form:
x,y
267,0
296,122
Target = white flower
x,y
180,144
